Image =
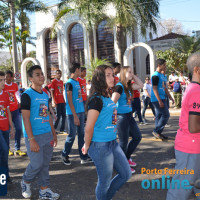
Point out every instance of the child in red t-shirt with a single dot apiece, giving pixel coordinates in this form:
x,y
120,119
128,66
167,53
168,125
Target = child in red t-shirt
x,y
14,97
5,121
82,83
58,99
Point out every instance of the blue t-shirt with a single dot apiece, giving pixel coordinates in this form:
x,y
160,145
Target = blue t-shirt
x,y
160,87
105,126
38,104
73,85
123,104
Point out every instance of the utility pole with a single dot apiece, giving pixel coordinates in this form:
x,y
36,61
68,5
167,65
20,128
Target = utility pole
x,y
14,43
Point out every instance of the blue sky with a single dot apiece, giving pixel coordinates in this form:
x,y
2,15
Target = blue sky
x,y
184,11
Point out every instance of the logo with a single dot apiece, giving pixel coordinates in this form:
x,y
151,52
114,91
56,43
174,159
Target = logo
x,y
3,182
2,111
43,111
114,117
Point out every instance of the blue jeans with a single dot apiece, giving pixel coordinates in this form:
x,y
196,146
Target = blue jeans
x,y
146,102
106,156
4,148
72,129
60,112
17,120
136,107
162,116
126,126
185,161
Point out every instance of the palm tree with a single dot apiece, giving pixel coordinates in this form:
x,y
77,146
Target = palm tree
x,y
91,10
129,14
23,7
188,45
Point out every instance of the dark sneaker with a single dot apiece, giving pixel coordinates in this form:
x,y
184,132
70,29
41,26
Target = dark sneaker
x,y
48,194
66,160
163,136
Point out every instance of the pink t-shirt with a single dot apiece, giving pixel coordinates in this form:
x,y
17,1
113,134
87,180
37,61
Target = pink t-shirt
x,y
185,141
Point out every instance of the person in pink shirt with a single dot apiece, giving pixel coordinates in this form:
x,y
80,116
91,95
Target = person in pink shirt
x,y
187,142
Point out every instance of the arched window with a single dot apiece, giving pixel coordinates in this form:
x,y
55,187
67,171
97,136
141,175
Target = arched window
x,y
147,65
51,48
105,42
76,44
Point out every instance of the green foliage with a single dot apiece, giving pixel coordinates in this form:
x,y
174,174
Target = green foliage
x,y
93,65
188,45
175,61
143,13
7,66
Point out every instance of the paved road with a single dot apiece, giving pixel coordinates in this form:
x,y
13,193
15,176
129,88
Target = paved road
x,y
77,182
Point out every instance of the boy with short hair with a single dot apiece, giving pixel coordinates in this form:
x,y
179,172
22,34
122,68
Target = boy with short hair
x,y
14,98
5,121
117,68
82,83
37,128
58,99
75,115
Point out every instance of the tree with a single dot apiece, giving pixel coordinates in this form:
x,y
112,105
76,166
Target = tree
x,y
93,65
91,10
23,7
188,45
175,61
171,25
129,14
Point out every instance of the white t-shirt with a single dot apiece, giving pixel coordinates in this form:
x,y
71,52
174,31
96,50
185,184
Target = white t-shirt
x,y
148,88
88,87
172,77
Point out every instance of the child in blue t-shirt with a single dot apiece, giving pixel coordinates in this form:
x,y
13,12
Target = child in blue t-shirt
x,y
100,136
75,115
40,135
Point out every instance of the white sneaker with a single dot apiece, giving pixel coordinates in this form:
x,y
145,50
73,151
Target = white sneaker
x,y
26,189
48,194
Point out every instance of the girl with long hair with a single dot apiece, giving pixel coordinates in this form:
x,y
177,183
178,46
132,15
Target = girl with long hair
x,y
100,136
126,125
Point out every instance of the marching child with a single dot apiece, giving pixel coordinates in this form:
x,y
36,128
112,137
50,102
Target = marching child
x,y
40,135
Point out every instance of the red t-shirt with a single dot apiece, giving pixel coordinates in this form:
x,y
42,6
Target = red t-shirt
x,y
82,83
57,87
116,79
185,141
4,104
136,93
12,89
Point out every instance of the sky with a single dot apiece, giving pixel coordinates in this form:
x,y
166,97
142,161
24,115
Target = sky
x,y
184,11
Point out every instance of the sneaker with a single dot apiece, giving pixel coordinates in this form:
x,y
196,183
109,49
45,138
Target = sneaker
x,y
143,123
131,163
26,189
20,153
156,135
163,137
48,194
10,153
167,125
132,171
89,160
66,160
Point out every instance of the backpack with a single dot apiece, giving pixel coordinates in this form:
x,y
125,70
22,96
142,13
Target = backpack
x,y
177,87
